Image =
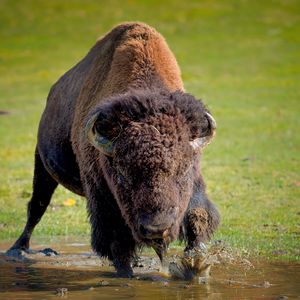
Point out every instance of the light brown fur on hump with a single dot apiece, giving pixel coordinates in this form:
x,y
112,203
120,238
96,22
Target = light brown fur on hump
x,y
142,60
131,56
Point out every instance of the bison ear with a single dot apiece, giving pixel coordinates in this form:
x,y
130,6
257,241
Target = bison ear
x,y
99,134
207,134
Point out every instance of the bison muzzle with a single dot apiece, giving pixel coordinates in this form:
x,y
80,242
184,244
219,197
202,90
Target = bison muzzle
x,y
119,129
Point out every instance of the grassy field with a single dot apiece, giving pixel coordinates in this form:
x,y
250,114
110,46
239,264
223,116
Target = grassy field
x,y
240,57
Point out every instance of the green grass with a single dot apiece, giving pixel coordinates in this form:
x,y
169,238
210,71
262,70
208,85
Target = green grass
x,y
240,57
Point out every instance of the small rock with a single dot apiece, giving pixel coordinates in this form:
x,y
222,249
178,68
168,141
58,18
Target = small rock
x,y
61,291
91,288
126,285
103,283
266,284
186,286
282,298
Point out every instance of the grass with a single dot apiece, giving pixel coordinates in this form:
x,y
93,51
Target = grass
x,y
240,57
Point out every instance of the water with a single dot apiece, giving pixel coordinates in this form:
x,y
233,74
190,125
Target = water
x,y
78,271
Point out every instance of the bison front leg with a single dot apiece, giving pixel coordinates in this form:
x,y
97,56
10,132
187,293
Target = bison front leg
x,y
196,228
201,219
111,237
122,254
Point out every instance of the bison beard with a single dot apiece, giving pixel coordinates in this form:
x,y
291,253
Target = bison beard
x,y
119,129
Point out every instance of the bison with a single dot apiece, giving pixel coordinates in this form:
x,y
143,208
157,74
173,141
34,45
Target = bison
x,y
119,129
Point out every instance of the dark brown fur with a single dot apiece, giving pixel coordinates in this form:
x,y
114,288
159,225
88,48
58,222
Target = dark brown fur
x,y
130,84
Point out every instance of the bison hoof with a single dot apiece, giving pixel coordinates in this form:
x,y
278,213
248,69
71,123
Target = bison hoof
x,y
21,253
125,273
48,252
16,252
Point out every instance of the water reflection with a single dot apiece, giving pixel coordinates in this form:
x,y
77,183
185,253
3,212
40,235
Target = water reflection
x,y
39,278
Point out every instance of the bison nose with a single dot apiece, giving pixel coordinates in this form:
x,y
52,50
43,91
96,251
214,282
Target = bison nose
x,y
157,225
153,231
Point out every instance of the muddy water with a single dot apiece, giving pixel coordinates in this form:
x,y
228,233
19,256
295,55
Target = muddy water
x,y
77,274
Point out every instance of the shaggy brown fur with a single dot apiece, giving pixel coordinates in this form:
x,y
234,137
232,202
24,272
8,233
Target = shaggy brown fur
x,y
197,220
118,129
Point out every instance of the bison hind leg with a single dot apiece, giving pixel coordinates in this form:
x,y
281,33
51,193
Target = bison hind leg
x,y
43,188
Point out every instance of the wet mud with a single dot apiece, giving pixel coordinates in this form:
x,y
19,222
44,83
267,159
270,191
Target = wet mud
x,y
76,273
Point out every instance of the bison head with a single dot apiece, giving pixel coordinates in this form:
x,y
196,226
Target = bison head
x,y
149,143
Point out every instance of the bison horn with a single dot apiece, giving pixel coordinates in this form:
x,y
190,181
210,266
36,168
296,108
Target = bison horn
x,y
101,143
205,140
